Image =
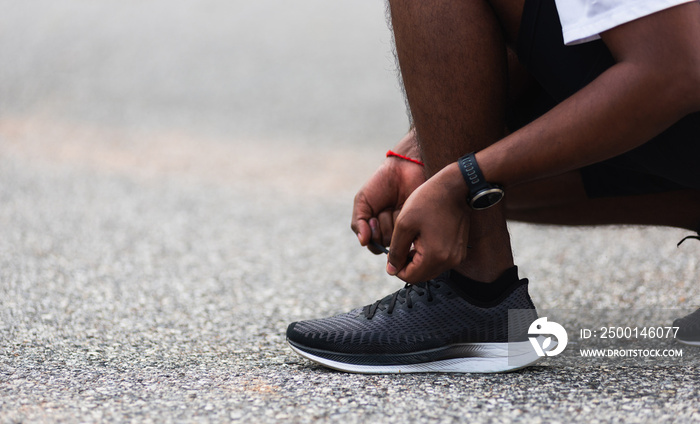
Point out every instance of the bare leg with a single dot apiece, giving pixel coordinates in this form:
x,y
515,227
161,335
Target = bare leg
x,y
562,200
453,60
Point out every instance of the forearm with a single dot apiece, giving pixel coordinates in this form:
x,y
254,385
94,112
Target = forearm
x,y
622,109
654,84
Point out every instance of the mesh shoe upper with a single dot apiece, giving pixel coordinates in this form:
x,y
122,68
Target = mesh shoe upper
x,y
688,327
416,318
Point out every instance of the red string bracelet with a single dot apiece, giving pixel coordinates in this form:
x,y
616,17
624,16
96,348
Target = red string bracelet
x,y
392,153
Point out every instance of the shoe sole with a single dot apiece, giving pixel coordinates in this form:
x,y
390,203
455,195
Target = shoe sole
x,y
482,358
689,342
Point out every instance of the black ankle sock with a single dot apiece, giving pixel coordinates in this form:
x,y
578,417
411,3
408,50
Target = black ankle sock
x,y
484,292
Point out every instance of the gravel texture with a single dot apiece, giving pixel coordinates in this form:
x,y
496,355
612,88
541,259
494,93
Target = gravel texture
x,y
175,188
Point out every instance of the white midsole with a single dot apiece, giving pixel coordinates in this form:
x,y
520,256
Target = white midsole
x,y
688,342
495,357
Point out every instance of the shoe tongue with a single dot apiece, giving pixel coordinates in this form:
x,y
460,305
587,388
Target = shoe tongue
x,y
403,292
383,302
387,299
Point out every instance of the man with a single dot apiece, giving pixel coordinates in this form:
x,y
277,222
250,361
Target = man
x,y
594,122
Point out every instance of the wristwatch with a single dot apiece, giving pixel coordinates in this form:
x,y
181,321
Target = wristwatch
x,y
482,194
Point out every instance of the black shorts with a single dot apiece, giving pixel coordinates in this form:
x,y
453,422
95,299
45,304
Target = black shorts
x,y
670,161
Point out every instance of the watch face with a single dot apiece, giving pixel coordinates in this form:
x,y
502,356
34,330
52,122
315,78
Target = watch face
x,y
486,198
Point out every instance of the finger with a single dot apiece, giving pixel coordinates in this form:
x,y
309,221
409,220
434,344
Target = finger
x,y
401,241
419,268
361,214
414,271
375,246
363,231
425,264
372,245
386,225
376,230
422,265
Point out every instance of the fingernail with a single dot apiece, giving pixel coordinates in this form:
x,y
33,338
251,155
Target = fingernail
x,y
391,269
359,237
373,224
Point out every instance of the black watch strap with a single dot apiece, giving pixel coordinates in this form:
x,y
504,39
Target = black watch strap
x,y
482,194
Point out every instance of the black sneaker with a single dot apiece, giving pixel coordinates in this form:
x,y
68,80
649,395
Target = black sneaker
x,y
427,327
689,326
688,329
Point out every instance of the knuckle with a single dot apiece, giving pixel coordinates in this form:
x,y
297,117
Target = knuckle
x,y
359,197
441,256
454,258
401,225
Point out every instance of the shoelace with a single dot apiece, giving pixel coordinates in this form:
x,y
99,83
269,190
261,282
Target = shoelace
x,y
688,237
371,310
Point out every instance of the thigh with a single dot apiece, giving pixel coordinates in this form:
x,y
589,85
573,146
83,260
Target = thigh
x,y
561,70
562,200
668,162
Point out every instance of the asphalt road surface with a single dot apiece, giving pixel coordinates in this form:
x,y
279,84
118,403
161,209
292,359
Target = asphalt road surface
x,y
176,180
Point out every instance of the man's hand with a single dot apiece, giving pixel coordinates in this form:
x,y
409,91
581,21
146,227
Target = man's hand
x,y
432,231
379,201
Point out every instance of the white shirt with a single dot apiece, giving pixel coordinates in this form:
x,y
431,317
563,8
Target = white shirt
x,y
584,20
